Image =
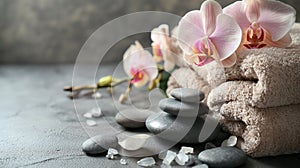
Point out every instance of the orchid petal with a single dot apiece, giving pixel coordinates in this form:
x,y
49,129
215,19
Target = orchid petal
x,y
210,9
283,42
133,49
148,64
252,9
227,36
194,59
236,10
157,33
277,18
190,29
169,66
169,63
141,60
230,61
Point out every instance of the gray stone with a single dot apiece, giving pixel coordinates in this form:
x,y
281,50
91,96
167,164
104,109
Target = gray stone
x,y
175,107
133,118
223,157
99,144
187,95
169,127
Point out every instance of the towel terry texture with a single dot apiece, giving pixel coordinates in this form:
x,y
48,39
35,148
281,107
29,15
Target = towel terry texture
x,y
257,100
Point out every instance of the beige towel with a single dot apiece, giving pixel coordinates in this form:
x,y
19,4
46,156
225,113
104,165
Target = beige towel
x,y
261,131
274,73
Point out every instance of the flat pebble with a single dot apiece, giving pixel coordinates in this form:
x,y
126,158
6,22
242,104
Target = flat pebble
x,y
158,123
99,144
223,157
175,107
133,118
187,95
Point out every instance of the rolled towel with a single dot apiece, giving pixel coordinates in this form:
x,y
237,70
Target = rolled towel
x,y
275,73
263,132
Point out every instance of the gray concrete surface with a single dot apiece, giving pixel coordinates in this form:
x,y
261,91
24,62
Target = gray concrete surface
x,y
40,128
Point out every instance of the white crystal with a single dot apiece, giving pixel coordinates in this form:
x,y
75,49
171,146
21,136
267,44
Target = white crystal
x,y
96,112
186,150
231,141
110,156
96,95
112,151
146,162
162,155
165,166
91,123
209,145
181,158
123,161
87,115
201,166
169,157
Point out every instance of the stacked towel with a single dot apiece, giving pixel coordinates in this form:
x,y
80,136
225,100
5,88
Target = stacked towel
x,y
257,100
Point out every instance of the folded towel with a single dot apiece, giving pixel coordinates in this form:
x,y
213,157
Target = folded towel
x,y
263,132
274,73
187,78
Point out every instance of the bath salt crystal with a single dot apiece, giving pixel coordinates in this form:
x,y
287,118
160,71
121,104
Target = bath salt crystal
x,y
162,155
123,161
169,157
110,156
230,142
209,145
96,112
165,166
96,95
87,115
111,153
186,150
91,123
181,158
146,162
201,166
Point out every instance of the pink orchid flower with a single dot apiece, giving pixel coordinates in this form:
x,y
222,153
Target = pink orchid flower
x,y
263,22
207,34
139,65
161,46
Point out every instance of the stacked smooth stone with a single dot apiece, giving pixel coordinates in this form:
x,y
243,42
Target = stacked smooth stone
x,y
182,117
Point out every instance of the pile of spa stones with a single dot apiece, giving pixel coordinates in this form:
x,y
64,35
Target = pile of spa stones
x,y
180,120
182,117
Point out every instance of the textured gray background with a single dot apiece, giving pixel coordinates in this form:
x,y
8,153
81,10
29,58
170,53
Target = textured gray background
x,y
53,31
